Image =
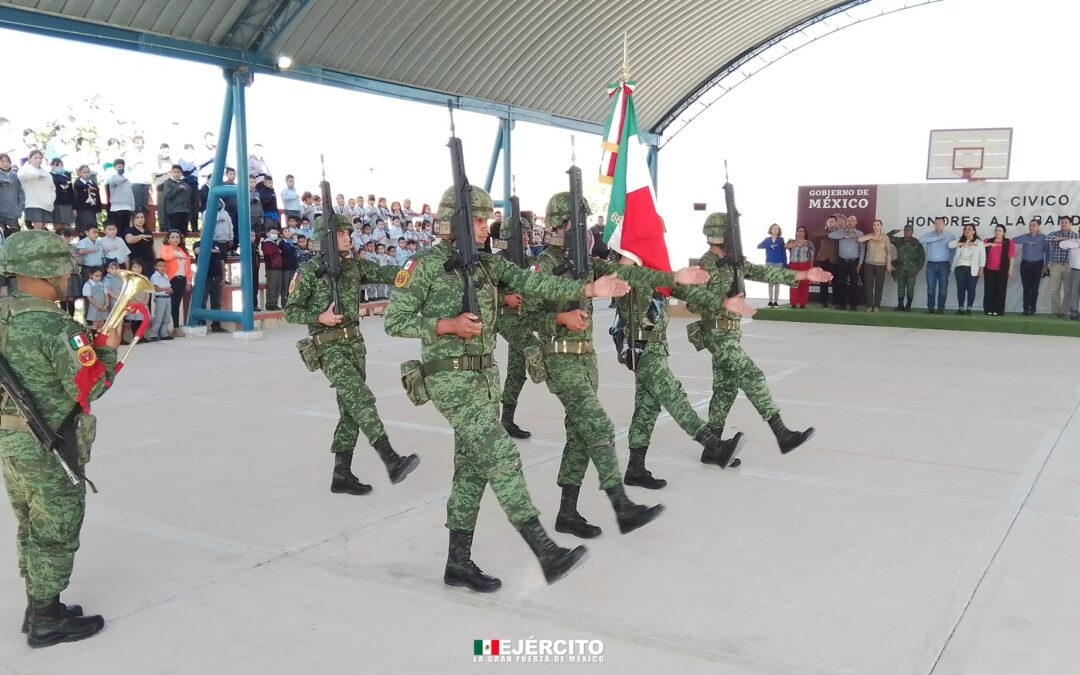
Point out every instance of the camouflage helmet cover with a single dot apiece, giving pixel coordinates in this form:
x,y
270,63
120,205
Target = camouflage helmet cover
x,y
320,225
36,253
479,199
715,225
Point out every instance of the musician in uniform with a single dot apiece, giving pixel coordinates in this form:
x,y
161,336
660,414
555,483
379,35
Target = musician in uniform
x,y
337,348
60,370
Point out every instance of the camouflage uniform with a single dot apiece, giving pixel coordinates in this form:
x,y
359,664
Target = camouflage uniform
x,y
721,334
573,376
910,258
50,354
514,327
341,355
462,380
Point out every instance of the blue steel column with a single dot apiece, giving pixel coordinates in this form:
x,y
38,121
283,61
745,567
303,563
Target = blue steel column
x,y
243,205
652,159
494,159
508,182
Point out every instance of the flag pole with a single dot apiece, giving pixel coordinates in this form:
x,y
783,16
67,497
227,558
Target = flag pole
x,y
625,56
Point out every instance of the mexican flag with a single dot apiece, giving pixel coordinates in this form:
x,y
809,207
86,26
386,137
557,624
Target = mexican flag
x,y
485,647
633,228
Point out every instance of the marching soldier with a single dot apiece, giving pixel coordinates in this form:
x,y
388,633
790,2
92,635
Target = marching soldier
x,y
459,375
572,375
513,326
55,365
910,257
336,346
719,332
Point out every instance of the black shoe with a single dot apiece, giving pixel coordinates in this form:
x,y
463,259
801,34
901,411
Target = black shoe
x,y
631,516
718,451
343,480
899,308
569,521
786,438
216,328
960,311
636,473
50,624
166,338
462,571
397,467
508,423
74,610
554,560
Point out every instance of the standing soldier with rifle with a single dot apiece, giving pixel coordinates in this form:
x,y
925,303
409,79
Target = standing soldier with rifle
x,y
447,299
512,323
570,362
52,371
325,294
719,328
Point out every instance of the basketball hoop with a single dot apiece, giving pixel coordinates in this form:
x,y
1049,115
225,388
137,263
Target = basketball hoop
x,y
973,155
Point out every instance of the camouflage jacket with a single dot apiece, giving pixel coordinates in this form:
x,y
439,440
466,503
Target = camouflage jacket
x,y
47,350
648,313
707,301
430,293
642,279
910,254
309,291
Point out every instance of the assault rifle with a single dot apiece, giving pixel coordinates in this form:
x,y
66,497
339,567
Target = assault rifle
x,y
465,257
733,249
52,441
515,250
577,237
329,246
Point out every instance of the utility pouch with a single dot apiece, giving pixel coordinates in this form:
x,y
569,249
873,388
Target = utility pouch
x,y
694,334
534,364
412,379
309,354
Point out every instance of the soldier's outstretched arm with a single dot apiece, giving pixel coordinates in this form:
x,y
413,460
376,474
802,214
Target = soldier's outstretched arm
x,y
545,286
67,352
298,307
403,318
371,273
769,275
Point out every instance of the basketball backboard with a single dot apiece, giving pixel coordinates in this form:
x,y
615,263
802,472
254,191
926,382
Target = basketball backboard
x,y
972,154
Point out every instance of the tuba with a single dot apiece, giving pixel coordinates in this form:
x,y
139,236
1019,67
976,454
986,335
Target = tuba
x,y
134,284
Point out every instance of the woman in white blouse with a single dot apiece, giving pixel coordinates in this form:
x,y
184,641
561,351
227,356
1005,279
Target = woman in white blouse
x,y
38,187
968,262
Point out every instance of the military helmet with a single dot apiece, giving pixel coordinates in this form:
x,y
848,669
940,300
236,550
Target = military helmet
x,y
715,225
36,253
557,216
479,199
320,225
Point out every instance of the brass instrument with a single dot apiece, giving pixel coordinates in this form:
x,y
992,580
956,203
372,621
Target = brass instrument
x,y
134,284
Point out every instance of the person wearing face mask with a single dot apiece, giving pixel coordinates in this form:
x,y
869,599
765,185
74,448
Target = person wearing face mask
x,y
176,201
121,195
271,252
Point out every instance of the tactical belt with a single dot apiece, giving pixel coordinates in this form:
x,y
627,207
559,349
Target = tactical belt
x,y
506,310
720,324
336,334
568,347
458,363
647,336
13,423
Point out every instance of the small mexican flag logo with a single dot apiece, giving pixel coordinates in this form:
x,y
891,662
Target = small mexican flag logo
x,y
485,647
78,341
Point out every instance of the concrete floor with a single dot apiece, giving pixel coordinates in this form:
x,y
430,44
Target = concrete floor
x,y
932,525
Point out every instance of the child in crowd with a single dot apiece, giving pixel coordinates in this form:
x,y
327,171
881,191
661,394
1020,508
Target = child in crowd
x,y
271,253
303,250
96,298
359,234
115,248
134,320
370,252
378,233
161,321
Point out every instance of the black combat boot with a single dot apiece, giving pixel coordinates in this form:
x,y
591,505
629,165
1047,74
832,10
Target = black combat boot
x,y
397,466
718,451
461,570
554,560
508,422
74,610
788,439
631,516
344,480
569,521
51,623
907,305
636,473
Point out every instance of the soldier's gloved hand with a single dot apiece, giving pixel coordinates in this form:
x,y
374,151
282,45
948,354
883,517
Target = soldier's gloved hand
x,y
576,320
330,317
465,325
512,300
818,275
691,276
738,305
607,286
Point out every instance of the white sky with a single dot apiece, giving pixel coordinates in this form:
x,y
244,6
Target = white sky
x,y
854,107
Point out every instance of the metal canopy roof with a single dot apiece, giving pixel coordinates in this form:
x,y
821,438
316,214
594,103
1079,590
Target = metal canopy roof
x,y
544,60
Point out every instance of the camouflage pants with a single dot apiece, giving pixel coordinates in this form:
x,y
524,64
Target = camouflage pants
x,y
483,453
49,510
734,370
589,432
655,386
905,284
344,362
517,337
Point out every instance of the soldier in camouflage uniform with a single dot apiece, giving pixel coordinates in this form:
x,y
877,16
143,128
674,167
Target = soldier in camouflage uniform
x,y
573,376
337,346
461,378
910,257
655,385
55,362
514,327
719,332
